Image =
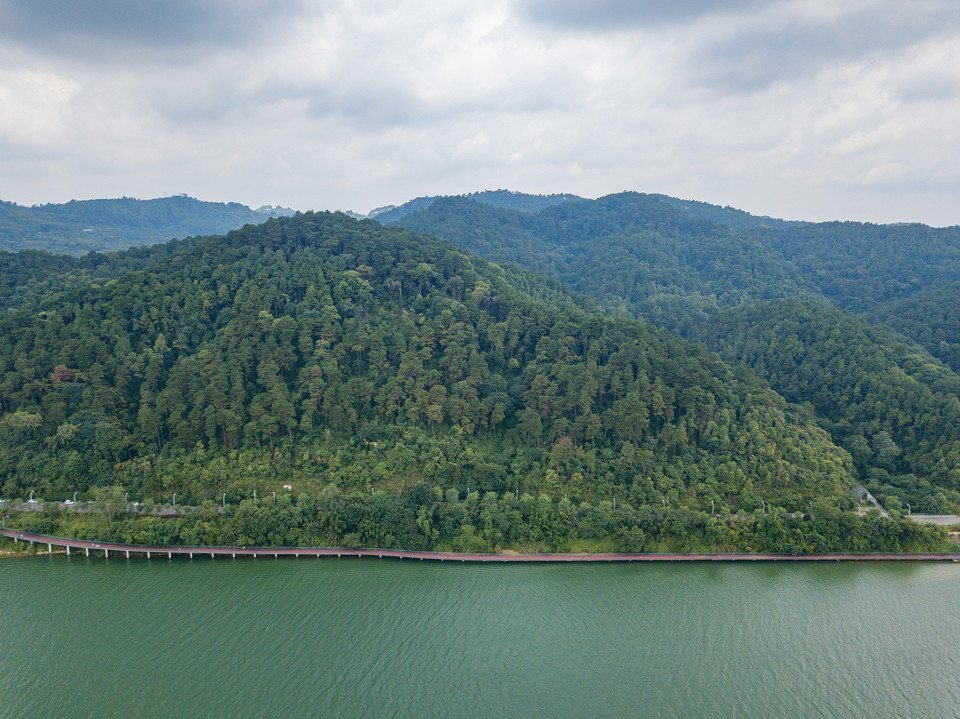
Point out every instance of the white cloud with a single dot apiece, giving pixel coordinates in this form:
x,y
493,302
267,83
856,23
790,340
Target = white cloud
x,y
33,104
799,109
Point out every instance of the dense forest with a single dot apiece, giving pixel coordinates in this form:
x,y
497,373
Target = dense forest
x,y
83,226
891,405
713,274
410,394
931,318
428,518
318,349
632,252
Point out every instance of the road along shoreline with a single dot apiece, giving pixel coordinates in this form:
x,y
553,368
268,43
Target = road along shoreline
x,y
129,550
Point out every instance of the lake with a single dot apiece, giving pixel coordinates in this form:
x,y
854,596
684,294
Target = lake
x,y
385,638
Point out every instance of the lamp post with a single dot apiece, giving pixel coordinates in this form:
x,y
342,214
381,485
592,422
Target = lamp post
x,y
127,494
174,502
712,507
908,509
31,496
763,506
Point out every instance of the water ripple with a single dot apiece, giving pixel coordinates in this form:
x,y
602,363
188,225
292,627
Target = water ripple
x,y
381,638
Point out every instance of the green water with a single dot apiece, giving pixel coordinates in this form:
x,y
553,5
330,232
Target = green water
x,y
379,638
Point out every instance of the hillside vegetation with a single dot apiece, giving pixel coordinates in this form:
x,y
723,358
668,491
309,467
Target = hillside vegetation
x,y
713,274
412,395
318,349
889,403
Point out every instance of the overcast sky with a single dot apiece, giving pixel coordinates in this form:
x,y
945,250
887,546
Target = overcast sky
x,y
806,109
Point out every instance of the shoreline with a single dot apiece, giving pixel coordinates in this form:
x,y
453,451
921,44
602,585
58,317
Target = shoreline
x,y
505,557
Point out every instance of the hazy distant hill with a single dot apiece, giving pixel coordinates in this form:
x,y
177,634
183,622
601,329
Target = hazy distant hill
x,y
497,198
81,226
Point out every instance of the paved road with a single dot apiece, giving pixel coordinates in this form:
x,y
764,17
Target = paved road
x,y
158,511
862,492
945,519
128,549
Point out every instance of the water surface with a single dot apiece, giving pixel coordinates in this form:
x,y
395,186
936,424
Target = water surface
x,y
384,638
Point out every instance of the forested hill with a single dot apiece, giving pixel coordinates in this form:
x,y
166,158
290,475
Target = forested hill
x,y
101,225
858,265
320,351
894,407
730,216
713,274
495,198
729,256
631,251
931,318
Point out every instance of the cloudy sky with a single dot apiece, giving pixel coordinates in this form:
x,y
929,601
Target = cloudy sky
x,y
802,109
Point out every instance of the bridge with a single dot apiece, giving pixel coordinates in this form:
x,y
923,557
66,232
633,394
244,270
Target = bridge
x,y
149,552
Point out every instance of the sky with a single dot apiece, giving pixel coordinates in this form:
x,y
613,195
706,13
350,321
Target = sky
x,y
800,109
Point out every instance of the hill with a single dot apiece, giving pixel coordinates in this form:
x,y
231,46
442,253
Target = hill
x,y
893,406
858,265
320,350
715,274
633,252
77,227
504,199
929,317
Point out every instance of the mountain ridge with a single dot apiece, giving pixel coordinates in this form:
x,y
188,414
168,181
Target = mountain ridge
x,y
101,225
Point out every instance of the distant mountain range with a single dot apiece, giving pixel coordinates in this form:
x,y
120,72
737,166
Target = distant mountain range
x,y
82,226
